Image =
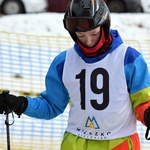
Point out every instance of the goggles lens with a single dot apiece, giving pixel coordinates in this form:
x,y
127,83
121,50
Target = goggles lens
x,y
78,24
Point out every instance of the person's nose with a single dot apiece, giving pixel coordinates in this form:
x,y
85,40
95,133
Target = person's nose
x,y
89,41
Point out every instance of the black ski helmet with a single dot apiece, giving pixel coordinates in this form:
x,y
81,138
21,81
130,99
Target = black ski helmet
x,y
84,15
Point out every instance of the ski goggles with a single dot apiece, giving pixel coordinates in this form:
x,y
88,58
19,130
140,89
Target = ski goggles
x,y
79,24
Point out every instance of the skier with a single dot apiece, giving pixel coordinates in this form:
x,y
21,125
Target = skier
x,y
107,81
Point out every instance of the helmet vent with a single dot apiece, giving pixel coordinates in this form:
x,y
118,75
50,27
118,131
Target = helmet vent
x,y
86,4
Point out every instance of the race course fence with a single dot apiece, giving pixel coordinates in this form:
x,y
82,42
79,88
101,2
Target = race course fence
x,y
24,62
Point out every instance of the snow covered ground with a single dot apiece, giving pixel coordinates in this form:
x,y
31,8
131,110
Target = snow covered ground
x,y
131,26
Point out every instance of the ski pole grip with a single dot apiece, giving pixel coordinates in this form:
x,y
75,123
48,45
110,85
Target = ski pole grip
x,y
6,92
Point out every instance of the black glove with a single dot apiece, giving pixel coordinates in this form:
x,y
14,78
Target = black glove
x,y
147,121
13,103
147,117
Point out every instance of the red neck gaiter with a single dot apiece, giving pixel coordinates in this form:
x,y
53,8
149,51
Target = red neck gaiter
x,y
99,48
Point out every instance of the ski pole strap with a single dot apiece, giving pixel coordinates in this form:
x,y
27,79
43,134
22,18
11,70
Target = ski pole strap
x,y
147,133
7,119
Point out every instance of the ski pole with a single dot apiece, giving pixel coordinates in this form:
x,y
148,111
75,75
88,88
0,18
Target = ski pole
x,y
146,134
5,93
